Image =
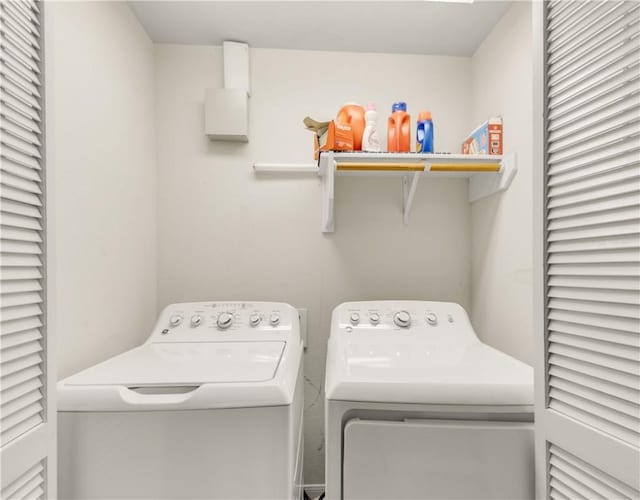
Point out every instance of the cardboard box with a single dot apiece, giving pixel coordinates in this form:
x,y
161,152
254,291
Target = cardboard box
x,y
338,137
486,139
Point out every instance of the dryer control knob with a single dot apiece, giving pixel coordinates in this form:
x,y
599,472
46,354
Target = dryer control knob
x,y
274,319
402,319
432,319
196,320
175,320
224,320
255,319
354,318
374,318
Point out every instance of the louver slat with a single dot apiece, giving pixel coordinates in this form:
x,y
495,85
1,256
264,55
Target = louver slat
x,y
20,274
9,287
598,384
20,312
19,119
9,327
21,377
9,99
20,44
9,193
20,221
18,92
591,477
610,35
31,491
18,404
603,63
20,422
20,171
12,233
594,218
13,156
558,491
19,132
19,338
602,308
10,25
602,322
589,356
610,375
598,333
15,17
10,207
16,299
631,241
607,347
613,121
597,206
614,112
617,404
13,489
592,257
26,10
562,48
18,79
20,183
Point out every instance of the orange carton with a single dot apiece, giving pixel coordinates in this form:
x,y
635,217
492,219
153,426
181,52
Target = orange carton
x,y
486,139
337,137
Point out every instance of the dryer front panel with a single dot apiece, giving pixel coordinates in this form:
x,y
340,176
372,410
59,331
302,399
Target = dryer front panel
x,y
432,459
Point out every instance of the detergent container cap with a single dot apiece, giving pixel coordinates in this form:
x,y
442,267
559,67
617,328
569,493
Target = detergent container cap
x,y
399,106
425,115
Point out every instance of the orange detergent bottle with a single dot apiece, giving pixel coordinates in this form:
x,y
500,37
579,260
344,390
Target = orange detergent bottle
x,y
399,129
353,115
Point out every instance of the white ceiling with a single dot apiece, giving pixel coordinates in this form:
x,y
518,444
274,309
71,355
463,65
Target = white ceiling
x,y
409,27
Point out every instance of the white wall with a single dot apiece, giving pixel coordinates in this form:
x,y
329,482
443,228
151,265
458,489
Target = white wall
x,y
225,233
501,293
101,131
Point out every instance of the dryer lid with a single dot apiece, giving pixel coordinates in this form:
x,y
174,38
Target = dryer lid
x,y
186,363
424,372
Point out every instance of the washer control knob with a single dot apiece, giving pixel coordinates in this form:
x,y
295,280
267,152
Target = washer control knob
x,y
175,320
274,319
402,319
432,319
224,320
374,318
354,318
196,320
255,319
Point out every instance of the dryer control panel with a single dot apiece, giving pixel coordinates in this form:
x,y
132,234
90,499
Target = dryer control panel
x,y
399,316
210,321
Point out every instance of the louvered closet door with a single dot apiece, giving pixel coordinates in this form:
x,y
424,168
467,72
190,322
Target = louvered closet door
x,y
588,418
25,427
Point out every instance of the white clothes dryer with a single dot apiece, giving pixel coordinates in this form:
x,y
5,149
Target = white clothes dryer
x,y
418,407
210,406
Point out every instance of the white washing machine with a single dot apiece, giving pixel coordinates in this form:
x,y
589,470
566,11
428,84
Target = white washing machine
x,y
417,407
209,407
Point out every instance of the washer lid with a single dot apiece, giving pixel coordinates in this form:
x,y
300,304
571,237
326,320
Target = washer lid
x,y
413,371
185,363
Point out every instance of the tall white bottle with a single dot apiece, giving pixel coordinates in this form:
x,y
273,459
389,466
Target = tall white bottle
x,y
370,141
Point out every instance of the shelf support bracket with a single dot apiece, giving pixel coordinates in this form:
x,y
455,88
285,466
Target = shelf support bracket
x,y
328,196
486,184
409,185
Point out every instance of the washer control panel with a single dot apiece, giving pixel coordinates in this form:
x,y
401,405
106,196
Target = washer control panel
x,y
214,320
400,316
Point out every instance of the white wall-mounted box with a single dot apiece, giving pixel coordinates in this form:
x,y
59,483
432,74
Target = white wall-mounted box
x,y
226,114
236,65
